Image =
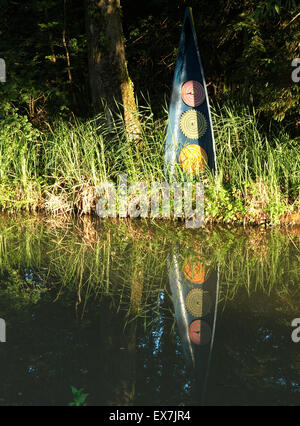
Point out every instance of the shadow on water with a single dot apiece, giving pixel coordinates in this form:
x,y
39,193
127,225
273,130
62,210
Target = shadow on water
x,y
141,314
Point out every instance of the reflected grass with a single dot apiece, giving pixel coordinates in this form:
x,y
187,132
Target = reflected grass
x,y
84,260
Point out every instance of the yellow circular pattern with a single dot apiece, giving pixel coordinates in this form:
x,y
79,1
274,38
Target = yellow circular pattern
x,y
198,302
193,124
193,159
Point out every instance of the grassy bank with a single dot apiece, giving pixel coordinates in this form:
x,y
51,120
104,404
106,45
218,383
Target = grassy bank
x,y
57,169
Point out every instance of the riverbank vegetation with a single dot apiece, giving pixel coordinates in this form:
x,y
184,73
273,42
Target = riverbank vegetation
x,y
56,145
57,170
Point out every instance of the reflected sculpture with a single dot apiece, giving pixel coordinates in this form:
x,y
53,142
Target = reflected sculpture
x,y
194,290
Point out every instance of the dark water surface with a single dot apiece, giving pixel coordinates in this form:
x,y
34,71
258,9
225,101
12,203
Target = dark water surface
x,y
139,314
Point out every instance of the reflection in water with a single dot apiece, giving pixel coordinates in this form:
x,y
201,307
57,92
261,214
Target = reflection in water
x,y
127,312
194,270
195,295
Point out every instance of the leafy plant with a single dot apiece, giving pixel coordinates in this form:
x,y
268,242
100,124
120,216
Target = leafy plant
x,y
78,397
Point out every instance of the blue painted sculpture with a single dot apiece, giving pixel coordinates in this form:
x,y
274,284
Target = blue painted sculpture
x,y
190,141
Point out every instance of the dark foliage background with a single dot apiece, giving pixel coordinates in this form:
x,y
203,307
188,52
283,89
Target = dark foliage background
x,y
246,46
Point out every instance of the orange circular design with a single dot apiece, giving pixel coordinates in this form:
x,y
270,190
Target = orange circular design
x,y
193,159
200,332
194,271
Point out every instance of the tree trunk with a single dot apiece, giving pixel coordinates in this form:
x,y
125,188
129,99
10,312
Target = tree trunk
x,y
108,75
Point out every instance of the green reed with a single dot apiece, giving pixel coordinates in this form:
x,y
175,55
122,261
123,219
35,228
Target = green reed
x,y
58,169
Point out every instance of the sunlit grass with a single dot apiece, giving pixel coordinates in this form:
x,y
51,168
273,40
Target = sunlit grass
x,y
58,170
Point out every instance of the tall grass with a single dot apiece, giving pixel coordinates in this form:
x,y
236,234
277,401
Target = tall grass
x,y
262,170
58,169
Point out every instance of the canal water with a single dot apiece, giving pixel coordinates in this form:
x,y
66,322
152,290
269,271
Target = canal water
x,y
139,313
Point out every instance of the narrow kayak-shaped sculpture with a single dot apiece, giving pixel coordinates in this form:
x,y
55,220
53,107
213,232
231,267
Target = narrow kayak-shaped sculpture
x,y
194,290
189,141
